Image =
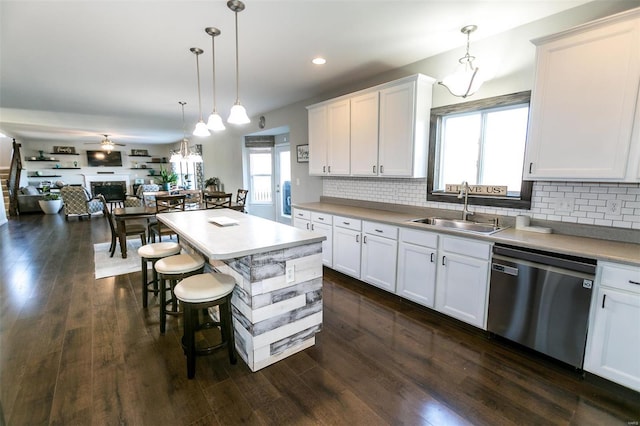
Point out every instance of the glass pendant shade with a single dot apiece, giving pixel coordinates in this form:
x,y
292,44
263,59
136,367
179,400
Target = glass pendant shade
x,y
201,129
465,81
238,115
215,122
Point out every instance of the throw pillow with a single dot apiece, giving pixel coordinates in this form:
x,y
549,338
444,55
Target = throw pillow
x,y
30,190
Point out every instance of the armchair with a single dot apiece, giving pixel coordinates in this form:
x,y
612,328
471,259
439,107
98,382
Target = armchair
x,y
78,202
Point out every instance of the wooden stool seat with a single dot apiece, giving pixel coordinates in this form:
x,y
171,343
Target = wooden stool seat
x,y
152,253
173,269
200,292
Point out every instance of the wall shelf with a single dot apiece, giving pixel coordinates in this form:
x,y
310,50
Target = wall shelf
x,y
139,155
43,176
64,153
45,159
66,168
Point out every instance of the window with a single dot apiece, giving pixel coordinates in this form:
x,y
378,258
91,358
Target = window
x,y
260,171
481,142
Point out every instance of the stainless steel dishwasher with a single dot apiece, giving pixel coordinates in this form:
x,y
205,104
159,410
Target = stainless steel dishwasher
x,y
541,300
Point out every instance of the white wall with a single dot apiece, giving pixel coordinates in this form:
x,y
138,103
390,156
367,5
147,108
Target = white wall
x,y
31,148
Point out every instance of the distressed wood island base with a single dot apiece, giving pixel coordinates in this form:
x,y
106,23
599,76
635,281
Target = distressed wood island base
x,y
277,302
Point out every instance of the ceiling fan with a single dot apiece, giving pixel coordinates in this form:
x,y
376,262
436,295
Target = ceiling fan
x,y
106,144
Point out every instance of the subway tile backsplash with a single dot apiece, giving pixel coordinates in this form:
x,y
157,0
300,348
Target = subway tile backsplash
x,y
603,204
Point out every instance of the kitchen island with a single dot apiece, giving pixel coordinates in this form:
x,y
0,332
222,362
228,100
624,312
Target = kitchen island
x,y
277,301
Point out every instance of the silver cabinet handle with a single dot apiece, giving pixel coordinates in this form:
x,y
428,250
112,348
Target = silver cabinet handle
x,y
381,169
364,240
329,169
603,299
312,227
347,223
432,254
634,282
307,226
374,170
378,230
357,238
443,260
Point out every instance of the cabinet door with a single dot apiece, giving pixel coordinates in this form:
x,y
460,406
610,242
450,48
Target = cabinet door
x,y
379,256
583,102
338,116
614,341
461,290
364,134
397,121
346,251
318,140
327,245
417,273
302,224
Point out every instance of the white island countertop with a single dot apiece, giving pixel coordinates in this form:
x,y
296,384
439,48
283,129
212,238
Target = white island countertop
x,y
246,235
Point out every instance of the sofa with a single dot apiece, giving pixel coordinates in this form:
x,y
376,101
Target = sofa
x,y
28,198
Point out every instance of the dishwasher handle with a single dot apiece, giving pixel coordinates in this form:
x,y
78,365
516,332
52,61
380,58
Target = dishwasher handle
x,y
504,269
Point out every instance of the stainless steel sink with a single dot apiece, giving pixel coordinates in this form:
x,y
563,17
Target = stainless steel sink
x,y
461,225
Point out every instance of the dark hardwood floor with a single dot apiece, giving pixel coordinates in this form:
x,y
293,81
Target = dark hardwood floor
x,y
75,350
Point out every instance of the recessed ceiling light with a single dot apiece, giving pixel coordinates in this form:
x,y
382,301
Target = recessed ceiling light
x,y
319,61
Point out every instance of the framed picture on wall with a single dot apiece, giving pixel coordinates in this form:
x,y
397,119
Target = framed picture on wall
x,y
303,153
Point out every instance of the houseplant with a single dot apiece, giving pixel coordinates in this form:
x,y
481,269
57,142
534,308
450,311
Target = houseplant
x,y
50,203
212,184
167,179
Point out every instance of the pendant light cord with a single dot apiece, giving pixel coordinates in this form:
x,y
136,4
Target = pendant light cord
x,y
237,66
213,61
199,96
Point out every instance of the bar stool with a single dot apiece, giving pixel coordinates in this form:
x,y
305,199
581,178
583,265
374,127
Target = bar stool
x,y
152,253
173,269
204,291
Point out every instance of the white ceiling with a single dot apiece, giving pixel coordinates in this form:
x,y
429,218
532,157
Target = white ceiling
x,y
72,70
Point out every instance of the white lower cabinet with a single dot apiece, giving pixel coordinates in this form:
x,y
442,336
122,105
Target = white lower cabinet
x,y
463,279
613,343
321,223
417,261
379,255
347,244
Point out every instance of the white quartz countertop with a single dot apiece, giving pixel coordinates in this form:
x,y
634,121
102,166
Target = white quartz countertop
x,y
566,244
248,235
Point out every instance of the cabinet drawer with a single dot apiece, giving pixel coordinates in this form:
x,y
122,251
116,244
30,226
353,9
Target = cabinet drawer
x,y
321,218
623,277
302,214
383,230
466,247
419,238
347,222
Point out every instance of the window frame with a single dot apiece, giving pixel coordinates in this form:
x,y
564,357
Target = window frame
x,y
522,202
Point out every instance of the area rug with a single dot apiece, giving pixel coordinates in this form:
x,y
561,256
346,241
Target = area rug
x,y
111,266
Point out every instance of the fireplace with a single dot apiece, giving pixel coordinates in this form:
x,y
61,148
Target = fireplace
x,y
111,190
112,186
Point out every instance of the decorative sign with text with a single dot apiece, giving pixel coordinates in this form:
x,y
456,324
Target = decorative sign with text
x,y
483,190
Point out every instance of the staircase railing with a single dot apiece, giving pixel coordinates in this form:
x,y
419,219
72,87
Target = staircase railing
x,y
13,183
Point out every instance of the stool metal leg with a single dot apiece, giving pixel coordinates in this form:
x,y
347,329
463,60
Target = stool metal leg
x,y
145,295
225,312
190,339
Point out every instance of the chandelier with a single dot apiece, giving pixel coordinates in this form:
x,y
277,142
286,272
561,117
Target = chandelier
x,y
185,153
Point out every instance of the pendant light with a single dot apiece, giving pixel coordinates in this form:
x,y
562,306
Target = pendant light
x,y
466,80
215,121
238,114
201,128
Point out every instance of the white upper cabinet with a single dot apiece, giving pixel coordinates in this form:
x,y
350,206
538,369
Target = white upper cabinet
x,y
387,131
404,128
583,105
329,125
364,134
